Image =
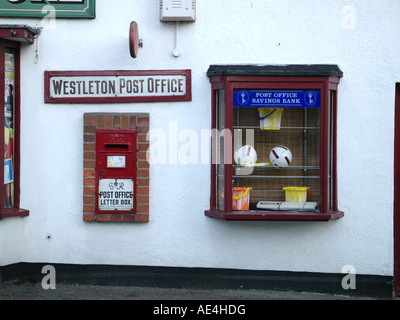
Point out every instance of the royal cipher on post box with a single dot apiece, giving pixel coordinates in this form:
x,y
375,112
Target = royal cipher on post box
x,y
115,171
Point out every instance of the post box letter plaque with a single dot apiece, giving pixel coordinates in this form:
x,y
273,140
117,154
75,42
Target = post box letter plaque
x,y
115,194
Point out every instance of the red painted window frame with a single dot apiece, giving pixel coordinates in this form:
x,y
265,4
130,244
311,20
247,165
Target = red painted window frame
x,y
325,84
396,199
16,211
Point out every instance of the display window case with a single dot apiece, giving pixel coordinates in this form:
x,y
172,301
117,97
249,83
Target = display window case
x,y
11,117
274,142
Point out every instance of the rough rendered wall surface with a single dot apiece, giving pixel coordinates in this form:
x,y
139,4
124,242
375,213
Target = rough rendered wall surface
x,y
360,36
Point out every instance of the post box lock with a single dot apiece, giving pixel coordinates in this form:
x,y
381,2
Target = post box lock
x,y
115,171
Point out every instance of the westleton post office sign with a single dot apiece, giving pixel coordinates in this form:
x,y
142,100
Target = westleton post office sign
x,y
117,86
48,8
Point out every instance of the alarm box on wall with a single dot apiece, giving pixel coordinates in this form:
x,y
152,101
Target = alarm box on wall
x,y
178,10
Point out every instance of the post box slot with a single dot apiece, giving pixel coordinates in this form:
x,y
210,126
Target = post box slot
x,y
115,146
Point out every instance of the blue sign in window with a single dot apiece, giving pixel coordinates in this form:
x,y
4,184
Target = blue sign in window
x,y
277,98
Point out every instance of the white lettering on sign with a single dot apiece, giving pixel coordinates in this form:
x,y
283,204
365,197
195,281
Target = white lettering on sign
x,y
117,86
115,195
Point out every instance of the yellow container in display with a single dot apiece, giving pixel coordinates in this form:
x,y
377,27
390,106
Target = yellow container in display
x,y
270,118
297,194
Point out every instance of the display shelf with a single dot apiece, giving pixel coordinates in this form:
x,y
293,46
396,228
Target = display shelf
x,y
280,169
264,176
274,215
274,130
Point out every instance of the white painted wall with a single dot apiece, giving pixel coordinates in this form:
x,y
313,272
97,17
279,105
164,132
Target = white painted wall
x,y
178,234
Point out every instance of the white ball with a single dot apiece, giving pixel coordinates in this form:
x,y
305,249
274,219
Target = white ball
x,y
245,155
280,156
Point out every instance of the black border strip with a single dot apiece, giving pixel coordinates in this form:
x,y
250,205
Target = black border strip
x,y
201,278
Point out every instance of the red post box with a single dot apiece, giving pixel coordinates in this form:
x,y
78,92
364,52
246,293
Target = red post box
x,y
115,171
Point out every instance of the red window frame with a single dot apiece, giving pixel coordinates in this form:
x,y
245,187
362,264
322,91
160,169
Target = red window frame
x,y
238,79
15,210
396,189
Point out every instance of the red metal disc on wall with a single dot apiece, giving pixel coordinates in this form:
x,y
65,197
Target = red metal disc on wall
x,y
133,39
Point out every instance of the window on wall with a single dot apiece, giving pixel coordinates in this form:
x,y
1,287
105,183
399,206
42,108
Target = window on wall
x,y
10,117
274,142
